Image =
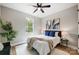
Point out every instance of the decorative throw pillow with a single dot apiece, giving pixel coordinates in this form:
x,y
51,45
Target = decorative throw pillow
x,y
47,33
52,33
1,46
56,34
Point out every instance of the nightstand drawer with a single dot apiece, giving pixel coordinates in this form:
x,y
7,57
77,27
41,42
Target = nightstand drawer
x,y
64,42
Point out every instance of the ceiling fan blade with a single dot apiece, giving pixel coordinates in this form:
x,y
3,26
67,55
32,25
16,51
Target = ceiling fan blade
x,y
35,10
46,6
37,4
34,6
40,4
42,10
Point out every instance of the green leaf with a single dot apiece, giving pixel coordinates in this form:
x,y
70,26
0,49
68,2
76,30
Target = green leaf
x,y
9,32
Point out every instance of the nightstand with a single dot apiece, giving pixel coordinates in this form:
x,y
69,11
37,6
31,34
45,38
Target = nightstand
x,y
64,42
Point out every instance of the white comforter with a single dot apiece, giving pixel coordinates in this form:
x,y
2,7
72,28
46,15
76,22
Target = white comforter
x,y
41,46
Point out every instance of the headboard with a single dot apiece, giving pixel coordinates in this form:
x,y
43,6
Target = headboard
x,y
52,33
60,34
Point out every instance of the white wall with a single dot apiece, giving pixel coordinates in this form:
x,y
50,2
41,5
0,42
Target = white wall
x,y
68,23
18,20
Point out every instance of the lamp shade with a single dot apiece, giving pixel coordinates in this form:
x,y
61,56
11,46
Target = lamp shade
x,y
64,34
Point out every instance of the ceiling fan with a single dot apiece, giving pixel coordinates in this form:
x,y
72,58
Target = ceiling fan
x,y
40,6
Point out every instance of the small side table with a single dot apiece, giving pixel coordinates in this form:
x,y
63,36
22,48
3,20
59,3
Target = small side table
x,y
64,42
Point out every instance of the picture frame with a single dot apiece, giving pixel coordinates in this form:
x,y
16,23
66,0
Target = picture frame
x,y
53,24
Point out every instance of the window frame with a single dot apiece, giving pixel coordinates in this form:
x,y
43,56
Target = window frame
x,y
32,20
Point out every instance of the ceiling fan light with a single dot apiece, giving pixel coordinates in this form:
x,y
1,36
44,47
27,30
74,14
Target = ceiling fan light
x,y
38,8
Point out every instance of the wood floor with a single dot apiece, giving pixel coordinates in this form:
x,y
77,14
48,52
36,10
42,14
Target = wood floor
x,y
64,48
13,50
67,49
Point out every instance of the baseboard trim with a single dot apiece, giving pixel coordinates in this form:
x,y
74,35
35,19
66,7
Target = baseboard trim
x,y
19,43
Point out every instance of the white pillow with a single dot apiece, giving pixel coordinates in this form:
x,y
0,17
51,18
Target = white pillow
x,y
1,46
56,34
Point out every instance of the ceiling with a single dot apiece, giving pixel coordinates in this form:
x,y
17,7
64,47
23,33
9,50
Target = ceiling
x,y
27,8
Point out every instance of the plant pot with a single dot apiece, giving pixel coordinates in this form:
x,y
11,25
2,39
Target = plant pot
x,y
6,49
6,44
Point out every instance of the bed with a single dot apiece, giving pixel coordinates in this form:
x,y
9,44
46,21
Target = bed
x,y
43,44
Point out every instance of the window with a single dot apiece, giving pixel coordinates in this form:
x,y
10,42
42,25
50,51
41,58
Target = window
x,y
29,25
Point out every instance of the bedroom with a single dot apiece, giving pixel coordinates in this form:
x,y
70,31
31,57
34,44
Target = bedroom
x,y
19,14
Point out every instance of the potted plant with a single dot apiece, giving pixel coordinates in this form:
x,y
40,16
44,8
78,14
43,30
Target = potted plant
x,y
8,31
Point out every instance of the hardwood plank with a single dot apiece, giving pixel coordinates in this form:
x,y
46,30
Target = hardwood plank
x,y
14,50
